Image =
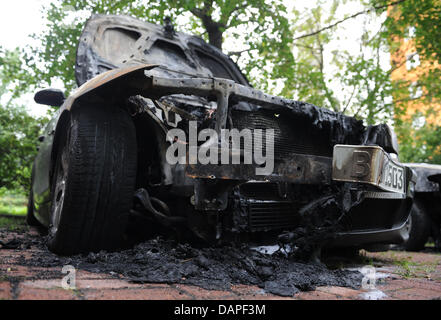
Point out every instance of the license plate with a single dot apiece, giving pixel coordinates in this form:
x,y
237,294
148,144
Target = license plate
x,y
392,176
368,164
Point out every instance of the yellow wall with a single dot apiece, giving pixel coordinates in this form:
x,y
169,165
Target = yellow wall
x,y
398,60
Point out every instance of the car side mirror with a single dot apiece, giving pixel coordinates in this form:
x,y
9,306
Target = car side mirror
x,y
50,97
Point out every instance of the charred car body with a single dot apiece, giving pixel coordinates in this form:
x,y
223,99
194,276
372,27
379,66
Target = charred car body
x,y
425,219
334,181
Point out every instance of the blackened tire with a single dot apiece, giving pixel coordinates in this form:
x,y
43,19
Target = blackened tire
x,y
93,181
419,229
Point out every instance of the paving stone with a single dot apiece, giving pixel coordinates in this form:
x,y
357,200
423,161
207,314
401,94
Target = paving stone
x,y
159,293
42,284
414,294
340,292
203,294
315,295
26,293
241,289
105,284
5,291
411,283
19,271
86,275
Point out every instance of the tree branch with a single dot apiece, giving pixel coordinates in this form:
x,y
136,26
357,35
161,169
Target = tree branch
x,y
347,18
401,63
412,99
350,99
232,15
238,53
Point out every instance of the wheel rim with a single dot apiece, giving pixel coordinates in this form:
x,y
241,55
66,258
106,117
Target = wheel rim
x,y
59,190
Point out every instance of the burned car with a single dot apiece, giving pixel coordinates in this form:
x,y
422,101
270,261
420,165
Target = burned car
x,y
425,218
166,126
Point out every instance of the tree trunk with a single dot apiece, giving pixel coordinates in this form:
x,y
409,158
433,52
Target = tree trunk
x,y
215,38
215,34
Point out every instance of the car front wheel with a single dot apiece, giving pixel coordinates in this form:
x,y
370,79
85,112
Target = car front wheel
x,y
93,181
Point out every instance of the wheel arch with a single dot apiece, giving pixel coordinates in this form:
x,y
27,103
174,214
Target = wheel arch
x,y
116,84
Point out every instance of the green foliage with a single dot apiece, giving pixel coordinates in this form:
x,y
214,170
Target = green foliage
x,y
420,22
421,144
422,15
14,76
18,130
306,79
18,140
12,202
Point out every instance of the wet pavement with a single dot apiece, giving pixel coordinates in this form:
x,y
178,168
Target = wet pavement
x,y
160,269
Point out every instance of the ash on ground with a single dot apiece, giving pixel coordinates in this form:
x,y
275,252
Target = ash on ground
x,y
217,268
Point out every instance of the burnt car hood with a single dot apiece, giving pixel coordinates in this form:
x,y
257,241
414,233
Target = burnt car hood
x,y
109,42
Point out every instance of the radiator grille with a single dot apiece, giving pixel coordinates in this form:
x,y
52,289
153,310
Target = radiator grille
x,y
291,135
264,216
266,209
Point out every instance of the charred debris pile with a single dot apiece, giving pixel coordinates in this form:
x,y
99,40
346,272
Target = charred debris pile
x,y
215,268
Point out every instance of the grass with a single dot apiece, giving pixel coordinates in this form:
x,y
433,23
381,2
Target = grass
x,y
13,203
406,270
403,262
13,223
13,208
411,269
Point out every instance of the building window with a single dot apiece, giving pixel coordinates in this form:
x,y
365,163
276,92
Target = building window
x,y
412,60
